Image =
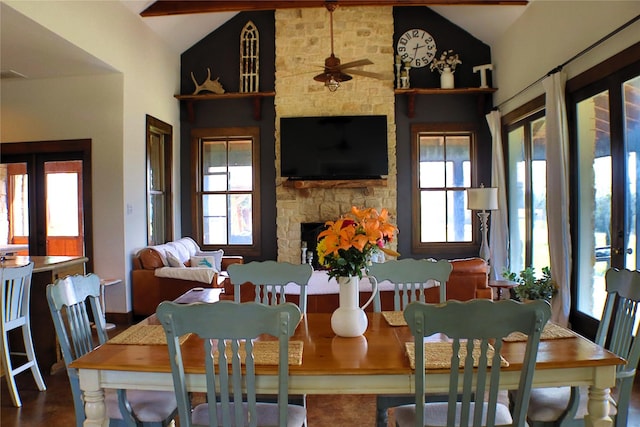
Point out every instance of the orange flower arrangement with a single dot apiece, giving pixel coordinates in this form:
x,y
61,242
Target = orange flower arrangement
x,y
346,245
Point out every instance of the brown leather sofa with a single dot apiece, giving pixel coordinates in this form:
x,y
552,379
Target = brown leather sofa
x,y
468,280
149,290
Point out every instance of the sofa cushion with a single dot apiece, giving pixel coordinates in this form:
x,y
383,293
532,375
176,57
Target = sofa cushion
x,y
179,250
174,261
217,256
204,275
203,261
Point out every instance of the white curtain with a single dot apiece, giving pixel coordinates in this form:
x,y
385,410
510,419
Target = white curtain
x,y
558,193
499,228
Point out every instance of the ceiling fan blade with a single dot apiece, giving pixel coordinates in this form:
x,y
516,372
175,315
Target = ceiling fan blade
x,y
357,63
370,74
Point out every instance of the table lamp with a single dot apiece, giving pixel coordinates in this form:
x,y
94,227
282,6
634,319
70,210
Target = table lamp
x,y
483,199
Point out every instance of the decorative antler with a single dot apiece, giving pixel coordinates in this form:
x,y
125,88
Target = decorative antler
x,y
208,85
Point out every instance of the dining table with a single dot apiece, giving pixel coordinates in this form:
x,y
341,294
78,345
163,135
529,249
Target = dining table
x,y
375,363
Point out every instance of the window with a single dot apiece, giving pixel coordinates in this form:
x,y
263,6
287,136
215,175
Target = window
x,y
159,159
226,199
526,169
441,172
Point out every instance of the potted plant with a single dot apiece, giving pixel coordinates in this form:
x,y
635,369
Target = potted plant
x,y
530,287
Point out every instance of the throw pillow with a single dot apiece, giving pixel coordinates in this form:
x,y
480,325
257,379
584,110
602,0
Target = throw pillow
x,y
203,261
217,256
173,260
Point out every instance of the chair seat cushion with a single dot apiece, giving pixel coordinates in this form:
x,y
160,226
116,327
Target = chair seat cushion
x,y
548,404
435,414
267,414
148,405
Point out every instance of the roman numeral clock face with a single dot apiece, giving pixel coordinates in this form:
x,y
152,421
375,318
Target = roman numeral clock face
x,y
417,47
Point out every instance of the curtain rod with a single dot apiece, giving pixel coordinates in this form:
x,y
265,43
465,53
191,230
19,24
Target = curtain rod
x,y
573,58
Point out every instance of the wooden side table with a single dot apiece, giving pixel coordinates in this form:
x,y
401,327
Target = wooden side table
x,y
502,284
103,284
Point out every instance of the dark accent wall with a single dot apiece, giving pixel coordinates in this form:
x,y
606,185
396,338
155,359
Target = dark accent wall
x,y
220,51
439,109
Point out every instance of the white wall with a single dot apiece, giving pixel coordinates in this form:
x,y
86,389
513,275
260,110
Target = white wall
x,y
147,79
549,33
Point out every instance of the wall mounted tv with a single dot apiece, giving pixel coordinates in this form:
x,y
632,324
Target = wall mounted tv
x,y
333,147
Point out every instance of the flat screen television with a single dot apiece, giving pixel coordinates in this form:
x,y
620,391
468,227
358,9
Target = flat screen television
x,y
333,147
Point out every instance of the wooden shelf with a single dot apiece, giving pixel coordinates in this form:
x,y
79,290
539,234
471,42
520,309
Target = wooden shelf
x,y
303,186
255,96
412,92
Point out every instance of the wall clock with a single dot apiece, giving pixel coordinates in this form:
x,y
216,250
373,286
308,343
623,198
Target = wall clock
x,y
417,47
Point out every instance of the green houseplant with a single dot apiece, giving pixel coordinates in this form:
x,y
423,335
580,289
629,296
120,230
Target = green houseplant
x,y
530,287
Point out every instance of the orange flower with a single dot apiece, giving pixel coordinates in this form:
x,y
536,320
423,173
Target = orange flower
x,y
347,244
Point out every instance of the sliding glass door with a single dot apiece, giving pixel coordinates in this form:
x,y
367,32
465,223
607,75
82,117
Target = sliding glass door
x,y
607,129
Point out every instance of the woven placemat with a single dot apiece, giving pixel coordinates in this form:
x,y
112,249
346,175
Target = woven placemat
x,y
394,318
438,355
551,331
143,335
266,352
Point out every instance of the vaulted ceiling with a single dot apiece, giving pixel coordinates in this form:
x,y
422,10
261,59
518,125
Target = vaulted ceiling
x,y
181,24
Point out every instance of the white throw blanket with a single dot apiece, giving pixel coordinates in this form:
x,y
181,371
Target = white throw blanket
x,y
197,274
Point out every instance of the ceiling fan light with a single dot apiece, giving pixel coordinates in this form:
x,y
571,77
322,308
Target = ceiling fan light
x,y
332,84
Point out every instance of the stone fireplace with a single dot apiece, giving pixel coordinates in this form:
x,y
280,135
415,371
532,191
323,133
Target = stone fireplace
x,y
302,44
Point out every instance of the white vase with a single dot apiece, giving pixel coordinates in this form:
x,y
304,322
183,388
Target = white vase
x,y
349,319
446,79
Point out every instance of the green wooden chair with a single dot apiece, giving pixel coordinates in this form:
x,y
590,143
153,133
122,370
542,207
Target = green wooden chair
x,y
68,299
14,315
225,324
410,278
473,390
270,279
567,406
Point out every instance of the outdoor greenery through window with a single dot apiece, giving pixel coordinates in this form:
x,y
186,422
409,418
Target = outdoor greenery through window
x,y
227,199
442,172
529,242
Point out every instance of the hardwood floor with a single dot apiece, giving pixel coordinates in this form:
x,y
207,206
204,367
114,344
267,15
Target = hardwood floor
x,y
54,407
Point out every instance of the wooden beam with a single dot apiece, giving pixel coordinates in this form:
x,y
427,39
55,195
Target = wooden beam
x,y
182,7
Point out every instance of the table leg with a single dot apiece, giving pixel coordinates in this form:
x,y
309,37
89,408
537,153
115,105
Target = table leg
x,y
598,408
94,406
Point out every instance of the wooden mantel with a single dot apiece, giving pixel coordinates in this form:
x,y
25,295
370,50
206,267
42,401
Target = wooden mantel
x,y
255,96
304,186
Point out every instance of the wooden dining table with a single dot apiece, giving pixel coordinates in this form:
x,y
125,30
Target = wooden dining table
x,y
375,363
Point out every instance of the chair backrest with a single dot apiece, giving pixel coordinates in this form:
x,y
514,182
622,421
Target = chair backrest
x,y
226,327
16,291
477,382
270,279
410,278
67,299
618,330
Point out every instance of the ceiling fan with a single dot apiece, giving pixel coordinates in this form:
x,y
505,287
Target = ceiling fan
x,y
333,73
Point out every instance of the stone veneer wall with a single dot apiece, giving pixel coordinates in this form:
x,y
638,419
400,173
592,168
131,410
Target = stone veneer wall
x,y
302,43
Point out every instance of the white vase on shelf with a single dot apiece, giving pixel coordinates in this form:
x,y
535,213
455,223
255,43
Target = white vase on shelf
x,y
446,79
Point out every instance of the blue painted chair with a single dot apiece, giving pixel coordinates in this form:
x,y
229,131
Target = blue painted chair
x,y
567,406
67,300
270,279
477,381
14,311
410,278
231,391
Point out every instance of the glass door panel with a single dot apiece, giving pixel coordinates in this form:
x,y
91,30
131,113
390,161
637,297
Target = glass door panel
x,y
63,199
631,130
14,207
594,202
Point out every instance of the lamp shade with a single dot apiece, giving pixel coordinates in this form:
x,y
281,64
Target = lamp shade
x,y
482,199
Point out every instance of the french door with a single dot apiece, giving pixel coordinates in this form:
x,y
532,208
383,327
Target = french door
x,y
607,130
47,197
